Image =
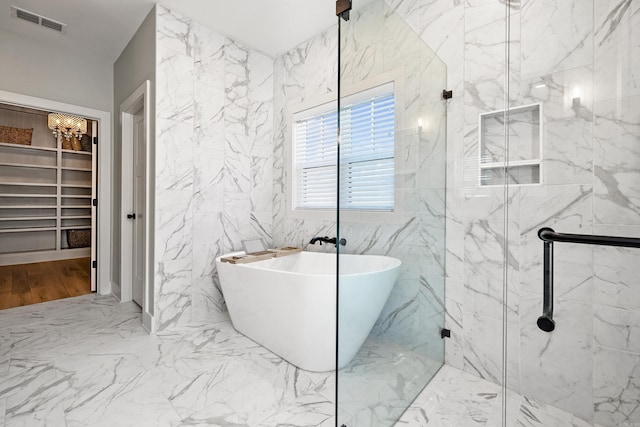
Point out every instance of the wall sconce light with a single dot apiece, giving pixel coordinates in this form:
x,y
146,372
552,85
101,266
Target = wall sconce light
x,y
66,125
575,103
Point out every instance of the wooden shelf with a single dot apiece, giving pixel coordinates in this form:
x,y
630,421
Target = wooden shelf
x,y
27,230
28,147
29,207
30,218
68,168
29,184
43,196
85,153
75,186
76,227
76,217
76,196
25,165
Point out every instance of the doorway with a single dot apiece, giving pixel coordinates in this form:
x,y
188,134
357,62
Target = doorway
x,y
135,125
47,218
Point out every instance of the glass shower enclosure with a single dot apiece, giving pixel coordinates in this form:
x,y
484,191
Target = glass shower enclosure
x,y
543,131
392,177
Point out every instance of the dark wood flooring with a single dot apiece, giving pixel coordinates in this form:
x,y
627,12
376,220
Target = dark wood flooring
x,y
26,284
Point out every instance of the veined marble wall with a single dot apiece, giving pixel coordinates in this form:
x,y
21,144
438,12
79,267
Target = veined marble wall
x,y
213,162
560,50
377,41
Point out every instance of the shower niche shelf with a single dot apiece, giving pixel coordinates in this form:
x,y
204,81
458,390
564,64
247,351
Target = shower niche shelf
x,y
525,146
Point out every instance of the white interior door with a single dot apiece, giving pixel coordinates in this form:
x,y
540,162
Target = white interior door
x,y
94,208
139,166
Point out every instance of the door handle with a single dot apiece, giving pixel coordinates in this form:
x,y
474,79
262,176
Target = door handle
x,y
131,216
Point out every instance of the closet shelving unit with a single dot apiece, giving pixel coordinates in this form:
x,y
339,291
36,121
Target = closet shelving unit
x,y
44,191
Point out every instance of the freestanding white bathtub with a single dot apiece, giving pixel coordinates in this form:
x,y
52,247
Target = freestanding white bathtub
x,y
288,304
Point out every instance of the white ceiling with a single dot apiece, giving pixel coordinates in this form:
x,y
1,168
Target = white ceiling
x,y
104,27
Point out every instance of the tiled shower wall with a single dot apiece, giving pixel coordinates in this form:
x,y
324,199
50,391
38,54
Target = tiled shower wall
x,y
213,162
560,50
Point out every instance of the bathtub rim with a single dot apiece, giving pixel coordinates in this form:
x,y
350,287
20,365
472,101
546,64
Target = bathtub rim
x,y
396,264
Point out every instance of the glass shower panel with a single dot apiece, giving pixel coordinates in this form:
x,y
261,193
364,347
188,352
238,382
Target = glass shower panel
x,y
392,216
578,64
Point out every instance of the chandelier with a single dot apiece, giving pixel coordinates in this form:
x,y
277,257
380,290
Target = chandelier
x,y
66,125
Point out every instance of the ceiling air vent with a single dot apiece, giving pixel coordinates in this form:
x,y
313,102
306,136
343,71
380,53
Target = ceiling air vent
x,y
52,24
34,18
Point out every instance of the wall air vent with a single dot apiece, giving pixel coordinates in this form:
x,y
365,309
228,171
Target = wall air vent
x,y
34,18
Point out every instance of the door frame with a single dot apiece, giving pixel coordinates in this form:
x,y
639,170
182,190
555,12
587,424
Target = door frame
x,y
103,247
139,99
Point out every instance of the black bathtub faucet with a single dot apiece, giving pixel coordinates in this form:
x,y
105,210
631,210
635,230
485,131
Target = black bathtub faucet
x,y
326,239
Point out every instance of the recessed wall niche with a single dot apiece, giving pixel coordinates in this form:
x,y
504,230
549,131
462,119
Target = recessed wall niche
x,y
524,166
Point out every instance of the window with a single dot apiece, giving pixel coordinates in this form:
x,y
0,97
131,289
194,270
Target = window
x,y
367,156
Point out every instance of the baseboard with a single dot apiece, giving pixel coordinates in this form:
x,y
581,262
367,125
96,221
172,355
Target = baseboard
x,y
43,256
115,286
147,323
116,291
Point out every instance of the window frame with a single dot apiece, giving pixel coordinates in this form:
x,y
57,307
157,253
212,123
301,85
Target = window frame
x,y
321,104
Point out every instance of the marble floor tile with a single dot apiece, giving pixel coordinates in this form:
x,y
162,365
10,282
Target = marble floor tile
x,y
456,398
104,370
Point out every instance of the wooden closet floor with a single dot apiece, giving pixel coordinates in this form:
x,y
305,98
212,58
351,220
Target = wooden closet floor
x,y
25,284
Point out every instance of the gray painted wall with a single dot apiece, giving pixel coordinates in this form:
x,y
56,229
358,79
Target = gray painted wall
x,y
136,63
34,68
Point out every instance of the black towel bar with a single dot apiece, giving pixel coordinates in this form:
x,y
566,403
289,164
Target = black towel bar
x,y
549,236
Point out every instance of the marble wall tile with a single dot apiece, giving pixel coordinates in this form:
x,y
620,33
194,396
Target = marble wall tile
x,y
173,294
431,320
616,387
479,13
208,54
566,209
174,220
556,35
261,223
567,107
488,203
208,172
617,162
616,270
431,167
454,244
363,44
616,328
483,349
174,66
485,69
214,149
485,255
617,52
454,303
557,367
174,155
208,102
206,295
261,183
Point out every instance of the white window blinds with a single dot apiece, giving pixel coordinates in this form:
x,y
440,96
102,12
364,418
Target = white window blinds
x,y
366,157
